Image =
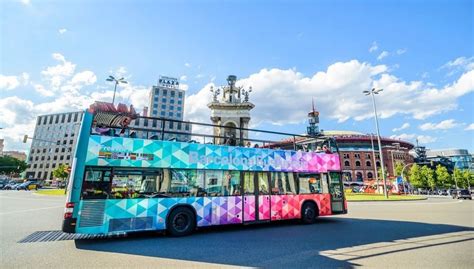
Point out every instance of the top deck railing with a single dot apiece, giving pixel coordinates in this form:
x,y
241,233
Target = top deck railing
x,y
158,128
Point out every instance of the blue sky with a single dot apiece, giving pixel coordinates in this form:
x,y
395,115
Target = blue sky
x,y
57,54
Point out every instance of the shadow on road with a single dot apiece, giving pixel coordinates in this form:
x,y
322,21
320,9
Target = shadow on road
x,y
281,245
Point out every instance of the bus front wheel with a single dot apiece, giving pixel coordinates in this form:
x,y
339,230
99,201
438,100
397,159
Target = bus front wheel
x,y
181,222
309,213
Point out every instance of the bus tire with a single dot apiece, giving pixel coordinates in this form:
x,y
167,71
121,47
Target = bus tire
x,y
309,213
181,221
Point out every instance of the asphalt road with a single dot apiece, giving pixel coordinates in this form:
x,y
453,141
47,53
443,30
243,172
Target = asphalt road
x,y
436,233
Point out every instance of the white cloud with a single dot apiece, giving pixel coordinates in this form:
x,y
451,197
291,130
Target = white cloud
x,y
470,127
403,127
42,90
57,74
183,78
401,51
444,125
338,94
8,82
423,139
374,47
187,65
25,2
12,82
460,64
62,31
382,55
85,78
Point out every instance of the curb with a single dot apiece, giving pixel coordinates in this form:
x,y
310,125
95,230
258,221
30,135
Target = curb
x,y
401,200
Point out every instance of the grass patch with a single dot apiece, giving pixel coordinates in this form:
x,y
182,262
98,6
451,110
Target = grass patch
x,y
380,197
56,192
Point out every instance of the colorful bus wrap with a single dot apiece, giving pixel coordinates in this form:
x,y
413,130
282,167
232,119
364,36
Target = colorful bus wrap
x,y
123,184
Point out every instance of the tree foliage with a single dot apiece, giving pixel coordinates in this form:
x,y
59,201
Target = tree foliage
x,y
399,168
443,177
416,180
61,171
428,176
10,165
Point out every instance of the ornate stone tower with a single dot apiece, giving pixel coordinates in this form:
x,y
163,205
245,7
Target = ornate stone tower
x,y
230,110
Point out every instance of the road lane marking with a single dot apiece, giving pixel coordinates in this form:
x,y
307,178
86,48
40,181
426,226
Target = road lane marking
x,y
403,203
28,210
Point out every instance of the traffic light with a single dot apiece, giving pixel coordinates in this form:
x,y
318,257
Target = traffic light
x,y
25,138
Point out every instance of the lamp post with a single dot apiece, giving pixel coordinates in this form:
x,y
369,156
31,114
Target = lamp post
x,y
372,93
375,161
117,81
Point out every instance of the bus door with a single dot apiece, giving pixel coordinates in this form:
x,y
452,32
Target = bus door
x,y
336,191
256,196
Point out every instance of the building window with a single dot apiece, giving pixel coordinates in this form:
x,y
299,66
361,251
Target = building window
x,y
154,123
171,107
368,163
63,118
55,157
35,165
163,106
179,108
68,157
157,92
377,157
172,93
367,156
180,95
171,125
359,176
163,100
61,157
178,115
156,99
172,101
170,114
155,105
370,175
69,116
50,119
57,119
145,122
54,165
357,155
44,120
165,92
357,163
347,163
378,164
162,113
179,102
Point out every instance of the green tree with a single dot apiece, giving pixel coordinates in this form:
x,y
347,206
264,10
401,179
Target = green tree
x,y
399,168
458,178
416,180
443,177
467,178
61,172
428,177
9,165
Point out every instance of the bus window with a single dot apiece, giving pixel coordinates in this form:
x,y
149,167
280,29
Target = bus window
x,y
96,183
335,185
310,183
283,183
249,186
187,183
214,182
263,183
126,184
231,183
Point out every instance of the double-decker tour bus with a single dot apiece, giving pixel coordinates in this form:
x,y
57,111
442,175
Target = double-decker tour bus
x,y
130,177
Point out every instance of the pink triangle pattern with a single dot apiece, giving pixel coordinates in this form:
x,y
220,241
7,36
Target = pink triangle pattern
x,y
249,208
264,207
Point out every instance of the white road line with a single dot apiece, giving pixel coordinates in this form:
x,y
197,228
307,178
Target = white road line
x,y
403,203
28,210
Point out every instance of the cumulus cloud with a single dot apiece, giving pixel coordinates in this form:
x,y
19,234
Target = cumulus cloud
x,y
12,82
338,94
443,125
62,31
470,127
403,127
382,55
458,65
374,47
401,51
423,139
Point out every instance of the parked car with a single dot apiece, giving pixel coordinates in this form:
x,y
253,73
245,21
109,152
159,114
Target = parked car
x,y
11,185
29,185
443,192
3,182
462,194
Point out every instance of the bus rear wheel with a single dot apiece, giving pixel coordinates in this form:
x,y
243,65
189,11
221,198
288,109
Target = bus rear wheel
x,y
181,222
309,213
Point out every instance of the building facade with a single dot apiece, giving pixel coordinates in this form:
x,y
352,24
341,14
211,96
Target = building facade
x,y
166,99
15,154
460,157
360,158
53,144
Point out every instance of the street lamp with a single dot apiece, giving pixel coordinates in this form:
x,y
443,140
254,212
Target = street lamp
x,y
117,81
375,161
372,93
